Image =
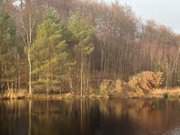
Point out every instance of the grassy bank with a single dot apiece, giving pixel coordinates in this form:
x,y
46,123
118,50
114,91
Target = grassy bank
x,y
156,93
165,93
23,94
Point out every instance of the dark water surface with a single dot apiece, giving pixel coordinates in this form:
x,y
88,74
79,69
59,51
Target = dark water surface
x,y
90,117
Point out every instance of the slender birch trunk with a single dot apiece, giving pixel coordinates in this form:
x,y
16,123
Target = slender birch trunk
x,y
81,74
29,44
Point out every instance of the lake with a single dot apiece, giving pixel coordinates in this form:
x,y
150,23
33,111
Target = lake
x,y
90,117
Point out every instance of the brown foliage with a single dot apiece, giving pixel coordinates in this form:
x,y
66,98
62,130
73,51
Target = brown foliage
x,y
114,88
146,81
105,87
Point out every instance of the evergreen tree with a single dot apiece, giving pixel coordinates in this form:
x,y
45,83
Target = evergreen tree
x,y
8,50
82,37
49,52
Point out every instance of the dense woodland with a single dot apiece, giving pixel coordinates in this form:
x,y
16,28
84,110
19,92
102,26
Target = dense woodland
x,y
72,45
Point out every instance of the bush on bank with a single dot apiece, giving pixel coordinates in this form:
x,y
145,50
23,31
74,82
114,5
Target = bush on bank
x,y
141,84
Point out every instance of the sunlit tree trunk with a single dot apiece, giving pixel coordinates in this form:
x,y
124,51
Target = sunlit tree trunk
x,y
81,74
29,43
30,72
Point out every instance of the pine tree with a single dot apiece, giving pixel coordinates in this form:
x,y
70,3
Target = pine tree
x,y
82,36
49,52
8,50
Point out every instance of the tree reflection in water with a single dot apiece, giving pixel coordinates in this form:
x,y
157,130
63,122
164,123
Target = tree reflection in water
x,y
90,117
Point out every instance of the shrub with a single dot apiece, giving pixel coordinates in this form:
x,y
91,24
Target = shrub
x,y
113,88
146,81
120,88
105,87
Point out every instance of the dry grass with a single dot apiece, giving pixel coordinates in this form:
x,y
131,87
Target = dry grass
x,y
171,92
10,94
155,93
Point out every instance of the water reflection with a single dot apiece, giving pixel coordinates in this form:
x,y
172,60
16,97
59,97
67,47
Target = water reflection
x,y
90,117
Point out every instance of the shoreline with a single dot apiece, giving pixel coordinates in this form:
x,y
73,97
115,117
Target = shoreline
x,y
173,93
17,96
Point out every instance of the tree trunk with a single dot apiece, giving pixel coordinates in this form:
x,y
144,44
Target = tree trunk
x,y
29,43
30,72
81,74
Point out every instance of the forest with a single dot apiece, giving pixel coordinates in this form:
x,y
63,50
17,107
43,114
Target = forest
x,y
62,46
